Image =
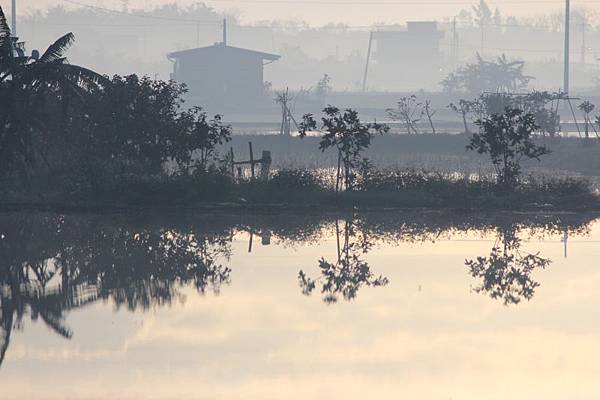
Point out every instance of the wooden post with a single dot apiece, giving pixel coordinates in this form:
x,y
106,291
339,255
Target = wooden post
x,y
232,161
265,237
364,82
265,165
574,117
251,160
337,176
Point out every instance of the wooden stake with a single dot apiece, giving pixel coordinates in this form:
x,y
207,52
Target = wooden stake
x,y
232,163
251,160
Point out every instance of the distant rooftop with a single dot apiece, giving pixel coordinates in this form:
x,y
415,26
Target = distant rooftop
x,y
222,47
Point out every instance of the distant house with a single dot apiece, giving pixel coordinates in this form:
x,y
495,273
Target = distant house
x,y
418,44
221,74
406,58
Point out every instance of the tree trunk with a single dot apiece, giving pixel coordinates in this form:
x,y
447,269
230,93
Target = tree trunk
x,y
337,176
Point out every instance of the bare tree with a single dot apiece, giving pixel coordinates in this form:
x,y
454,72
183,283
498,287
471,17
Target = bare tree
x,y
430,113
409,111
587,108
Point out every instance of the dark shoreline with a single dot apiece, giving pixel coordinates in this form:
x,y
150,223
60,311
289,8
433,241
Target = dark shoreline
x,y
280,208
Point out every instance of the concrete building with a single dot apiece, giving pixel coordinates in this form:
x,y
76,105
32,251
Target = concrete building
x,y
400,55
221,75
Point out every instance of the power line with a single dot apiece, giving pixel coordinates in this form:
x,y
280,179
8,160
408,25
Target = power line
x,y
67,24
156,17
391,3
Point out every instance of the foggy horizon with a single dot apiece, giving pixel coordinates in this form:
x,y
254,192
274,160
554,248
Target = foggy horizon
x,y
363,13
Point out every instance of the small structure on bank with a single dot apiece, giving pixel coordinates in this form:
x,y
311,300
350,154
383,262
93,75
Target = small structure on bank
x,y
221,74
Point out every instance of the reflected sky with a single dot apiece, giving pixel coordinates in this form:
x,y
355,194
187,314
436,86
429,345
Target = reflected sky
x,y
427,334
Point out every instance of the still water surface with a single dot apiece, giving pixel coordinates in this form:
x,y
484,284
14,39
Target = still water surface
x,y
381,305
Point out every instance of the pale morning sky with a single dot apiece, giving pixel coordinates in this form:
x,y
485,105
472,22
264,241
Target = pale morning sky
x,y
318,12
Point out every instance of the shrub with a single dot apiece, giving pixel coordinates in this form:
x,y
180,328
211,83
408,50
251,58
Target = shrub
x,y
303,179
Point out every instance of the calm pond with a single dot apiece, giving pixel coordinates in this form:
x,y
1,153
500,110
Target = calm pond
x,y
415,305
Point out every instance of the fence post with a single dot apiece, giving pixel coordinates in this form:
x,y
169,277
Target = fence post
x,y
265,165
251,160
232,163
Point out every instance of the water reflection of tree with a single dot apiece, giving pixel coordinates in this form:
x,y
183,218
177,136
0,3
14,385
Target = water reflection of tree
x,y
349,272
50,267
506,272
51,264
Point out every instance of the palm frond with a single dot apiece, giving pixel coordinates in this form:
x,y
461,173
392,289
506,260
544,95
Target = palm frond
x,y
56,323
57,49
4,28
6,46
84,77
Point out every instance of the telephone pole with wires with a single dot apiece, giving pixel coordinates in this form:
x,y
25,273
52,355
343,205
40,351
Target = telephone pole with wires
x,y
14,18
567,45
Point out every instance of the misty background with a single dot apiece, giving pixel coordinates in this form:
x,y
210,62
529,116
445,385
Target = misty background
x,y
123,37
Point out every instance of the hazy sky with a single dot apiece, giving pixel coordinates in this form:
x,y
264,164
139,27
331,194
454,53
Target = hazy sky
x,y
317,12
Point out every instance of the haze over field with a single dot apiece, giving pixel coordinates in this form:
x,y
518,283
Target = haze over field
x,y
316,12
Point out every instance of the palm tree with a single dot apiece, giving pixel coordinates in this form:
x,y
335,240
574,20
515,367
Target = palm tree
x,y
26,85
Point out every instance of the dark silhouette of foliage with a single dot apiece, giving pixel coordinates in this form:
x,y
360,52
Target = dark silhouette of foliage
x,y
506,272
349,272
344,131
497,76
542,105
27,84
507,138
323,86
133,267
138,120
587,108
483,13
52,264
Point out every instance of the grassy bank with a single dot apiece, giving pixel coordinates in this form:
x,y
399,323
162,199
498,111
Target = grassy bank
x,y
306,189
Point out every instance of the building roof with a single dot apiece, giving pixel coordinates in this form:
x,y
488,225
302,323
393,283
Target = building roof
x,y
413,28
220,46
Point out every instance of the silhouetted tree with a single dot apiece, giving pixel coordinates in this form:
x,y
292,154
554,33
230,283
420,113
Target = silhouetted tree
x,y
501,75
27,84
136,124
409,111
507,138
52,264
349,272
323,86
483,13
587,108
464,108
506,272
542,105
344,131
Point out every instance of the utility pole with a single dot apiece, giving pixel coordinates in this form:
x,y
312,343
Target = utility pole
x,y
14,18
583,49
482,36
224,31
197,35
364,82
567,45
454,45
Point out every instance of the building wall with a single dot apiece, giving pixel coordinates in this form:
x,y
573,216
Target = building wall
x,y
221,75
405,58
